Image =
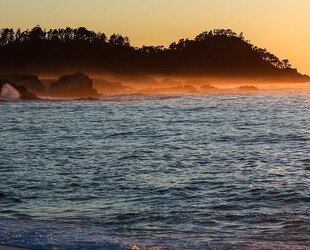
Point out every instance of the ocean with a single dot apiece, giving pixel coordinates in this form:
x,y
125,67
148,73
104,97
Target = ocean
x,y
228,171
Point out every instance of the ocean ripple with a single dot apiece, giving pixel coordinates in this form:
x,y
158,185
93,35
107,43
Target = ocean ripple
x,y
172,172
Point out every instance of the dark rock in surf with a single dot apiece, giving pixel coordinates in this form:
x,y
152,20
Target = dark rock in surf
x,y
106,87
87,99
207,88
23,91
25,94
186,89
30,82
248,88
77,85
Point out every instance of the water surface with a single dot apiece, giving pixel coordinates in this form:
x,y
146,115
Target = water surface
x,y
175,172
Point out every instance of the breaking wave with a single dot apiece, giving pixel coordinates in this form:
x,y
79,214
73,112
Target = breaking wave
x,y
9,93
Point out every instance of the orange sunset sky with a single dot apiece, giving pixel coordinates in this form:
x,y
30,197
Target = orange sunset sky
x,y
281,26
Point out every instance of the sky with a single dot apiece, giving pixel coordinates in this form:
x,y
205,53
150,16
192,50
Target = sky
x,y
280,26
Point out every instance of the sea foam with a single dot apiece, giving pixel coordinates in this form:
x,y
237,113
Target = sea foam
x,y
9,93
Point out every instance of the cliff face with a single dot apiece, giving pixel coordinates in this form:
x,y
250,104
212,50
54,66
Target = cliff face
x,y
77,85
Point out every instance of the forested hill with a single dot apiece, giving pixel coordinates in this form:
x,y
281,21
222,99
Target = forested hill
x,y
217,53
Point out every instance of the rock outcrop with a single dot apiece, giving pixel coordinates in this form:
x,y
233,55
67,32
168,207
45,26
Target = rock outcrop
x,y
77,85
30,82
106,87
207,88
23,92
248,88
186,89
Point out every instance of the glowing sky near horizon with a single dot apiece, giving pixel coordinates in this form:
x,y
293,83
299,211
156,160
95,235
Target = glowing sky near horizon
x,y
281,26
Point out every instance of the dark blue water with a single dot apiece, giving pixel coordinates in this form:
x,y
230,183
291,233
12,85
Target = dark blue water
x,y
179,172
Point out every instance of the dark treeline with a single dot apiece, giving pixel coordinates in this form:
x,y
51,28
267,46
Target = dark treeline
x,y
218,52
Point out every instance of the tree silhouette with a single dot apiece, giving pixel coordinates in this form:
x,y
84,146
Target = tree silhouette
x,y
83,34
219,52
53,35
37,34
286,63
7,36
119,40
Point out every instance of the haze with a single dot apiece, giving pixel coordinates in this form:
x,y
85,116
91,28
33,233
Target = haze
x,y
279,25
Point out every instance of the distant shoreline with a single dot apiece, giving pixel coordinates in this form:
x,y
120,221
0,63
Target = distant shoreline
x,y
218,53
80,86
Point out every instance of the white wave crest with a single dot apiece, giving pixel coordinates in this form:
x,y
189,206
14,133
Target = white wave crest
x,y
9,93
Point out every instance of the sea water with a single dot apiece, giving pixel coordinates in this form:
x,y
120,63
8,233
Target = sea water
x,y
161,172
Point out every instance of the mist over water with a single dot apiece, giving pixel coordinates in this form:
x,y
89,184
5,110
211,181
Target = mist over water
x,y
177,172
